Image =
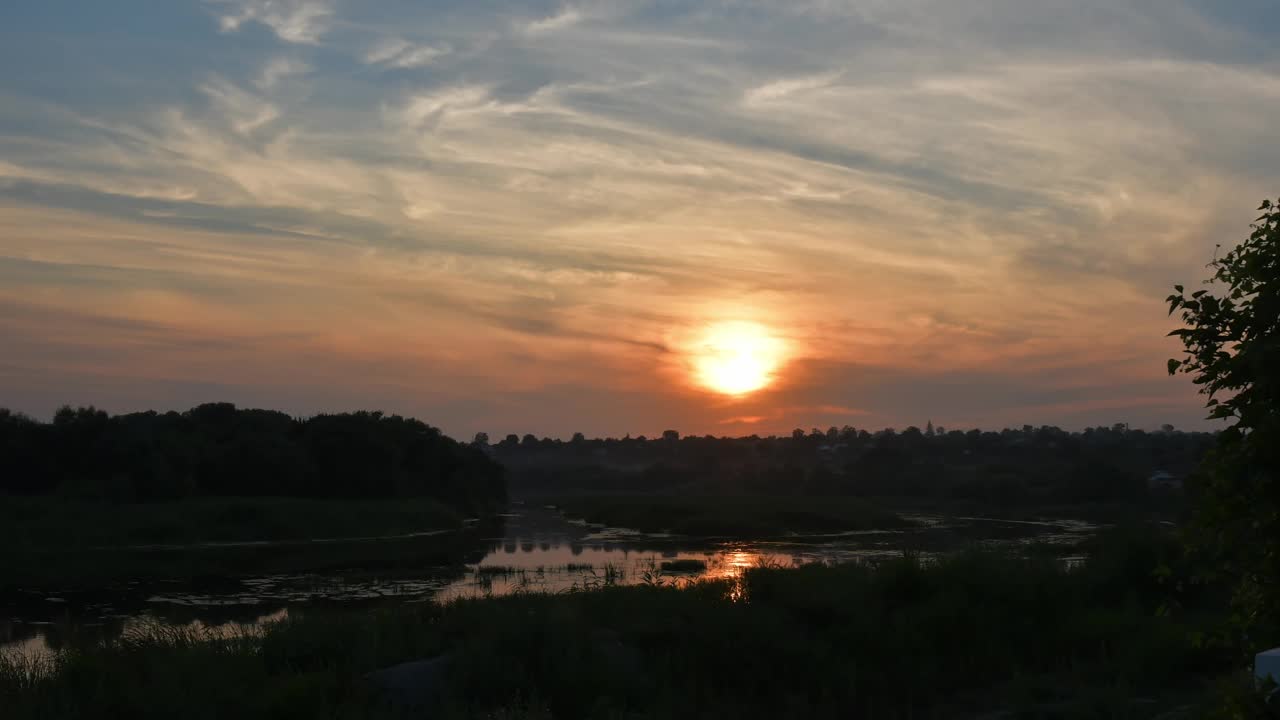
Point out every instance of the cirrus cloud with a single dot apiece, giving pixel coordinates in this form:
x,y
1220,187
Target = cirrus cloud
x,y
473,212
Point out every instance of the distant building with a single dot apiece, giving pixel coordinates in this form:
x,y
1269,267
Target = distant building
x,y
1162,480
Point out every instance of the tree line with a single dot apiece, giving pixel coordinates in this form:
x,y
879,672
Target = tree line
x,y
1015,466
218,449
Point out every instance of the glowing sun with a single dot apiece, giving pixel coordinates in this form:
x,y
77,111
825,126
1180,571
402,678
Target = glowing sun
x,y
736,358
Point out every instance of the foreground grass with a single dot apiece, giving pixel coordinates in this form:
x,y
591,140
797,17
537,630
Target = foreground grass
x,y
746,516
53,542
968,635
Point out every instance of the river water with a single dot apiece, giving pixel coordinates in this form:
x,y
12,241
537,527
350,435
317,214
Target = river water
x,y
538,550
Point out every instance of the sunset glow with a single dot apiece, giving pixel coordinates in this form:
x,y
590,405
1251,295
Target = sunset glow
x,y
636,213
636,326
737,358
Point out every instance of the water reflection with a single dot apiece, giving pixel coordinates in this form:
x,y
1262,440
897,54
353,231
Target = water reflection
x,y
538,551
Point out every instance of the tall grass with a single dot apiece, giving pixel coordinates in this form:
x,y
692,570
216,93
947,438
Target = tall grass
x,y
961,636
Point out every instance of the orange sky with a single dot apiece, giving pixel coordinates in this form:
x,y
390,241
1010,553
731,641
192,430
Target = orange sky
x,y
525,219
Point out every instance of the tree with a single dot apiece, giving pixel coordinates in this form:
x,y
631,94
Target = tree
x,y
1232,350
481,439
219,450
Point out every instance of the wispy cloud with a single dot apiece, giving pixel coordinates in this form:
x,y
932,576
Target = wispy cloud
x,y
244,111
779,89
563,19
278,69
295,21
495,212
434,106
398,53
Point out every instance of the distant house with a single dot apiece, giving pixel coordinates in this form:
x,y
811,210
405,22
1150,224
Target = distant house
x,y
1163,480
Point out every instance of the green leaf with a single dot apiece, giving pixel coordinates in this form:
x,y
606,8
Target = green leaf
x,y
1197,639
1174,365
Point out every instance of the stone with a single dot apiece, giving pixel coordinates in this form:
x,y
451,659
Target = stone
x,y
1267,664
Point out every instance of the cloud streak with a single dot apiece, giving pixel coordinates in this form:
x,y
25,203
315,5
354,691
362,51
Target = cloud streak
x,y
563,19
295,21
495,207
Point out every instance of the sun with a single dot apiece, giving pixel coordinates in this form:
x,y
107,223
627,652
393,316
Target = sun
x,y
736,358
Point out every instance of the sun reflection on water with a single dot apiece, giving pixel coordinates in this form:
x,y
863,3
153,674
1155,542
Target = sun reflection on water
x,y
733,566
539,552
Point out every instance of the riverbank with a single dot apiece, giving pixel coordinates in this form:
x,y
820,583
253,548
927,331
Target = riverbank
x,y
529,548
1169,508
50,522
755,516
963,636
63,544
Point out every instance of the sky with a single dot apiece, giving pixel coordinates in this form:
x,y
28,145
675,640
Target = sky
x,y
524,217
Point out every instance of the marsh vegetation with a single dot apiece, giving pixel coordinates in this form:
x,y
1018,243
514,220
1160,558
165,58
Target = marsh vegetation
x,y
960,636
61,545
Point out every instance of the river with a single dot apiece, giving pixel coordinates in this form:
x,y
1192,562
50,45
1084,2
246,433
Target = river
x,y
538,550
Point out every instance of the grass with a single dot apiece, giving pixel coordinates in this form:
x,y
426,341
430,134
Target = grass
x,y
745,516
961,637
69,545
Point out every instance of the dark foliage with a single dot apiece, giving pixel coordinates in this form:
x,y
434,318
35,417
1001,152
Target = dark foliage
x,y
1027,467
219,450
1232,350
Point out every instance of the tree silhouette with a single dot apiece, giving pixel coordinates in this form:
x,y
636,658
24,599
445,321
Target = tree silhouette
x,y
219,450
1232,350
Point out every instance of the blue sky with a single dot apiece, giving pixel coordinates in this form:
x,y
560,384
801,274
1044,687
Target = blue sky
x,y
521,217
